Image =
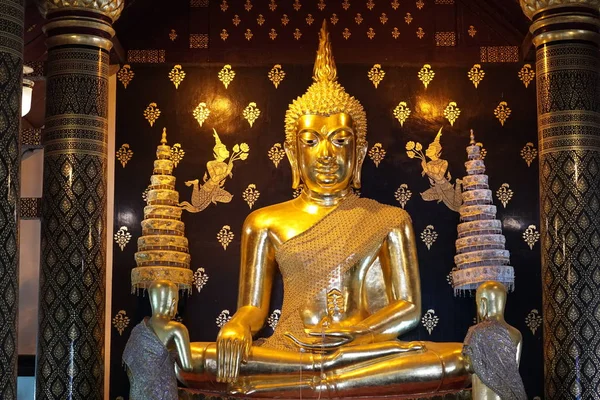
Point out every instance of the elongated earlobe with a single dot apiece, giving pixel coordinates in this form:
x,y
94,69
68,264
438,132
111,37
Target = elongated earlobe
x,y
290,151
361,153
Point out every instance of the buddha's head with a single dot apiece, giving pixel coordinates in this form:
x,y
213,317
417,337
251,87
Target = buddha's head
x,y
491,300
220,151
164,296
326,130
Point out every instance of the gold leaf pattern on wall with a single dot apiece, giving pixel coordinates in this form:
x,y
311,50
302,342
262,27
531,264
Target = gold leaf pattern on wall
x,y
276,153
533,320
430,320
346,33
248,5
309,20
346,5
173,35
358,19
403,194
151,113
420,4
502,112
250,195
285,20
122,237
297,34
273,319
272,34
395,33
224,5
370,4
226,75
200,278
297,6
371,33
429,236
260,20
395,4
321,5
476,74
298,190
482,152
248,35
376,75
276,75
177,75
451,112
426,75
504,194
528,153
225,236
251,113
124,154
377,154
472,31
526,74
121,321
177,154
531,236
420,33
383,18
334,19
223,318
125,75
272,5
201,113
408,18
401,112
224,35
236,20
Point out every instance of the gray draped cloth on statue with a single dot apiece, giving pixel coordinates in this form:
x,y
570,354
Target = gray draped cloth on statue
x,y
151,368
493,356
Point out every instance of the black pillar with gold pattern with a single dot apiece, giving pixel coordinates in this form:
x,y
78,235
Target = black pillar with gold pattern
x,y
70,358
11,72
566,37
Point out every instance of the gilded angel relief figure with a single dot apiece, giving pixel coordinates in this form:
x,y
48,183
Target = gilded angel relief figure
x,y
437,171
212,191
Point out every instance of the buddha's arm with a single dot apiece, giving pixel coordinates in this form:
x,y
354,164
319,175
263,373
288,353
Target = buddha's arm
x,y
256,280
181,338
398,258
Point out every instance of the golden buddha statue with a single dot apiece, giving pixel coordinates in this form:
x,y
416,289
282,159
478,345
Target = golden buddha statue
x,y
350,273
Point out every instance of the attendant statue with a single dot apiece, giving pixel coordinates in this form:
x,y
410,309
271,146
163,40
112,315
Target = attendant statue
x,y
350,275
493,348
155,343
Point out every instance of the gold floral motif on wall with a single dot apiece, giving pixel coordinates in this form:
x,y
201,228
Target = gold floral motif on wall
x,y
121,321
177,75
370,4
531,236
403,194
533,320
177,154
426,75
376,75
504,194
200,279
224,5
502,112
334,19
173,35
472,31
526,74
377,154
201,113
451,112
309,20
420,4
251,113
236,20
124,154
383,18
251,195
151,113
272,34
528,153
122,237
476,74
248,35
125,75
346,5
226,75
395,33
224,35
260,20
370,33
395,4
225,236
408,18
276,153
276,75
248,5
420,33
321,5
297,6
430,320
358,19
273,319
297,34
272,5
346,33
445,39
401,112
429,236
482,152
285,20
223,318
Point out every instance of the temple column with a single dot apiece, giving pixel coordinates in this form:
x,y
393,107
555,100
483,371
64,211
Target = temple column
x,y
70,355
566,39
11,74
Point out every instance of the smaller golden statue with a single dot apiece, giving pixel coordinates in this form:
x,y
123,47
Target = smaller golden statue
x,y
493,348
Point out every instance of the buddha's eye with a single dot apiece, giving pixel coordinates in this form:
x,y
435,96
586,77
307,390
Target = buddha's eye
x,y
308,139
341,138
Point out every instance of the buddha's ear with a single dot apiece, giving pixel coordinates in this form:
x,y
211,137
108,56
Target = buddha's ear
x,y
483,309
361,153
290,151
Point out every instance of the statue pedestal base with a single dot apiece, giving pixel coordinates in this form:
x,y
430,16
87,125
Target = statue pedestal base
x,y
191,394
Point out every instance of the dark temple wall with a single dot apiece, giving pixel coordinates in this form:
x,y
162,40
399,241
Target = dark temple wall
x,y
445,317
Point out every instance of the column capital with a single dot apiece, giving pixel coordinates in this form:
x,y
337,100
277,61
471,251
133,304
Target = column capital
x,y
107,8
532,7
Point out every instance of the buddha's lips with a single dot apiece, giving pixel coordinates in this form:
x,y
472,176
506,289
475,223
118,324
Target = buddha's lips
x,y
326,170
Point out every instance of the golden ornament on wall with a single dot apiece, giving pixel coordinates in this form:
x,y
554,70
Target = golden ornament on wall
x,y
177,75
346,5
420,4
504,194
383,19
451,112
430,320
121,321
376,74
309,20
224,35
201,112
173,35
248,35
426,75
298,190
226,75
177,154
321,5
125,75
276,75
408,18
358,19
476,74
403,194
285,20
276,154
482,152
224,5
401,112
346,33
502,112
200,279
472,31
297,6
531,236
429,236
251,113
272,5
395,33
273,319
297,34
528,153
151,113
251,195
371,33
420,33
377,154
248,5
526,74
533,321
260,20
334,19
272,34
225,236
395,4
124,154
223,318
370,4
236,20
122,237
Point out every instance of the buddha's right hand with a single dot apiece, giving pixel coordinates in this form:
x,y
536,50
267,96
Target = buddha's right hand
x,y
233,348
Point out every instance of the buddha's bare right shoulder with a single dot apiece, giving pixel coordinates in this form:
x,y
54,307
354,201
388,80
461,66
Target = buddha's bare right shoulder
x,y
268,217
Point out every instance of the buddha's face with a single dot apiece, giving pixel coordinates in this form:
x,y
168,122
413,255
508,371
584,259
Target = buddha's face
x,y
326,152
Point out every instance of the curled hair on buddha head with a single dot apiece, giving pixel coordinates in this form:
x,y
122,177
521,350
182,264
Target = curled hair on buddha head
x,y
325,96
